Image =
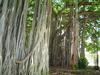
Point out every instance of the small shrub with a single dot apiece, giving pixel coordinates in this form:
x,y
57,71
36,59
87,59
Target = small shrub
x,y
82,63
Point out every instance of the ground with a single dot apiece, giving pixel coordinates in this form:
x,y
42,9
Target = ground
x,y
64,71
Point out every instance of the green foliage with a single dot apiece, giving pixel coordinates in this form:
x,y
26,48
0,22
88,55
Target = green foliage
x,y
82,63
92,35
30,13
58,5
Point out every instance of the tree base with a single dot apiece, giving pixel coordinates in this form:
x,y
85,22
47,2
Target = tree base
x,y
96,67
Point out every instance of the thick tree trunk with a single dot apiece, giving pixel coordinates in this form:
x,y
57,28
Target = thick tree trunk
x,y
52,40
56,52
75,36
38,56
1,34
15,59
13,35
68,47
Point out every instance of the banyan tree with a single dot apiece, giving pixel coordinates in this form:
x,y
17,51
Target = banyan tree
x,y
64,39
15,58
74,23
38,34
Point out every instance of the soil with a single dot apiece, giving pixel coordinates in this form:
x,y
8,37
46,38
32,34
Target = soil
x,y
64,71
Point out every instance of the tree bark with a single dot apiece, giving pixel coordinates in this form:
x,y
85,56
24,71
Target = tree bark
x,y
13,36
75,36
15,59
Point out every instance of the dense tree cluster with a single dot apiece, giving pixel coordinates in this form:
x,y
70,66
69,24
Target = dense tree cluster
x,y
38,34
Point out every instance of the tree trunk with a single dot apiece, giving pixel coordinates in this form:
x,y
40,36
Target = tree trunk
x,y
75,36
15,59
13,37
52,40
1,34
82,49
38,56
68,47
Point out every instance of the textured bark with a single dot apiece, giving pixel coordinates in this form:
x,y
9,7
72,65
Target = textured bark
x,y
68,47
37,57
55,48
1,34
51,40
13,35
59,48
15,59
75,36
